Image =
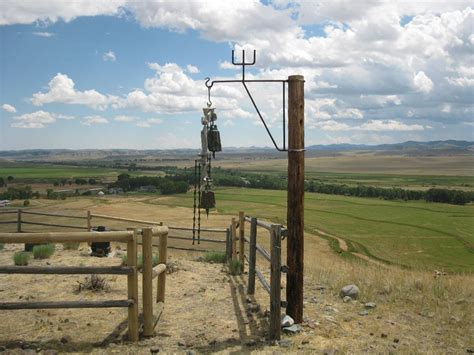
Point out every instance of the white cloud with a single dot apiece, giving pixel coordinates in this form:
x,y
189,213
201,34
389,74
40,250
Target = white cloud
x,y
38,119
93,120
62,89
143,124
9,108
44,34
109,57
64,117
50,11
192,69
155,120
390,125
422,82
124,118
149,122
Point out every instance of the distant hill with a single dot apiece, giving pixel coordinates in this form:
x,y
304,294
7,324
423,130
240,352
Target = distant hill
x,y
448,145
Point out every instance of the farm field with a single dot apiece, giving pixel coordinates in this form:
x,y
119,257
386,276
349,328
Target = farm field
x,y
413,234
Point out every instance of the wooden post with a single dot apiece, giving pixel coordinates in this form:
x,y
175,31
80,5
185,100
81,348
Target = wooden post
x,y
295,207
228,245
132,283
252,256
163,257
275,283
18,223
147,281
89,227
234,239
242,240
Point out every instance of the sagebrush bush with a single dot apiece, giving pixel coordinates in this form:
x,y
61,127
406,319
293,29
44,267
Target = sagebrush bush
x,y
235,267
43,251
2,246
71,246
215,257
21,258
92,283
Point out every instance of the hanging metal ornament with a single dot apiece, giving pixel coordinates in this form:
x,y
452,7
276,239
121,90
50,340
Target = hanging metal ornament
x,y
213,136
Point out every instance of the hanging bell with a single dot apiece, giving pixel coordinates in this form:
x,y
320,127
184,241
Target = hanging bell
x,y
214,140
208,200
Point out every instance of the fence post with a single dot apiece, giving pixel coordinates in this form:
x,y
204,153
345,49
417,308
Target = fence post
x,y
89,227
252,256
132,285
234,239
275,283
147,281
228,245
163,257
18,224
242,240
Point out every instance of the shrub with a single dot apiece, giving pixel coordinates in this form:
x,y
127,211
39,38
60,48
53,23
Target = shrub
x,y
26,203
2,246
21,258
92,283
71,246
215,257
43,251
235,267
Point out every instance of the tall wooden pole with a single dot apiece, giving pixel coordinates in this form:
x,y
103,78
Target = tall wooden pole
x,y
295,214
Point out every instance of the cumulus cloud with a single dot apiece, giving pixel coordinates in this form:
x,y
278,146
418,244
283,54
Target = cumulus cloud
x,y
93,120
390,125
38,119
422,82
124,118
109,57
192,69
9,108
62,89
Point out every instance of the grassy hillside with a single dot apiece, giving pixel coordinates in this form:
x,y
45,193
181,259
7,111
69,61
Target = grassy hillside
x,y
413,234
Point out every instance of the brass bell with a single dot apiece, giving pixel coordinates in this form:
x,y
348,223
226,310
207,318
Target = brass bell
x,y
208,199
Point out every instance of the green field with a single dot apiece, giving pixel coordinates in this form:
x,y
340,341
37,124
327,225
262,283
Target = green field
x,y
413,234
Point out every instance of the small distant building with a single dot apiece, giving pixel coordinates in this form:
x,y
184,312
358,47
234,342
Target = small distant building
x,y
100,193
4,203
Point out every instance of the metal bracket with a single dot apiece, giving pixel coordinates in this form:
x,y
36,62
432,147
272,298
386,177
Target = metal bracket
x,y
284,233
283,304
284,269
244,82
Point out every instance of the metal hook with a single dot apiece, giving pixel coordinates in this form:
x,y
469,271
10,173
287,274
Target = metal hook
x,y
209,102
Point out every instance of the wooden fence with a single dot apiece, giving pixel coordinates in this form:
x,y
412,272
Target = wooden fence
x,y
131,237
237,239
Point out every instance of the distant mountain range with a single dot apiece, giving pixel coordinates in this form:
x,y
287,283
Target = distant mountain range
x,y
408,148
405,146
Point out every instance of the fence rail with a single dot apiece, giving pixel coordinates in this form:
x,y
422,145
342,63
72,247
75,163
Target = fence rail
x,y
131,237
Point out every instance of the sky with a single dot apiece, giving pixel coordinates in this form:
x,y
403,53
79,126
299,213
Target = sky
x,y
101,74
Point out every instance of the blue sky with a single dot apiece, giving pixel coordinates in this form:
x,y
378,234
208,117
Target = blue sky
x,y
122,74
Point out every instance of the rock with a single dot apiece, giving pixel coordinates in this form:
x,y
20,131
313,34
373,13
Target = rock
x,y
383,335
181,343
350,290
295,328
331,309
285,343
363,313
287,321
305,341
320,287
396,340
346,299
370,305
313,300
154,350
66,339
329,351
470,350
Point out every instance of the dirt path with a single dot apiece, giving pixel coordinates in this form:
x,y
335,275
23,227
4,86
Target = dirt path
x,y
344,247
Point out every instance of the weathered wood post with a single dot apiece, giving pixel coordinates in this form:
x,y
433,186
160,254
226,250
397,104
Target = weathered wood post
x,y
295,208
147,281
275,283
234,239
89,226
163,259
132,283
18,223
242,240
228,246
252,256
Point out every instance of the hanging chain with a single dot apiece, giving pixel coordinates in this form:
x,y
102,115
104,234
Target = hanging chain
x,y
199,206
